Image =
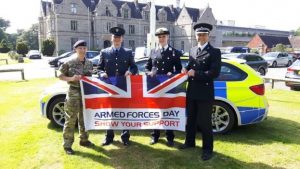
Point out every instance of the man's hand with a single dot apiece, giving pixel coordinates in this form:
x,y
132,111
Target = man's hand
x,y
184,70
76,78
103,75
169,73
191,73
150,74
128,73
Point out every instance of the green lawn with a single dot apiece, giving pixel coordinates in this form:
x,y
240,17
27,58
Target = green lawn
x,y
10,61
29,141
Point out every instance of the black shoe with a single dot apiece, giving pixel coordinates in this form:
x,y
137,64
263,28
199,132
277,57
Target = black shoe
x,y
69,151
170,143
107,142
206,156
86,143
153,141
186,146
126,143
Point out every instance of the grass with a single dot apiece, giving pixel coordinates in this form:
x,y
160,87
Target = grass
x,y
11,61
30,141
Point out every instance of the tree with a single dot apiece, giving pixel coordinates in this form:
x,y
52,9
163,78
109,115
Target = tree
x,y
2,35
12,39
4,46
48,47
4,24
279,48
297,32
22,48
30,36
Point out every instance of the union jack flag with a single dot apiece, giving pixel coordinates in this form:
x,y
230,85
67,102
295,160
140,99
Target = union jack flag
x,y
105,98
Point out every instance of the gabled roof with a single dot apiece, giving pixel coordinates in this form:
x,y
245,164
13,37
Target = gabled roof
x,y
272,41
136,9
194,13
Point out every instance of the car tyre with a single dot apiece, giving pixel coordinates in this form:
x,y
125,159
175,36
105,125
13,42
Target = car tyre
x,y
262,71
223,118
274,64
289,63
56,112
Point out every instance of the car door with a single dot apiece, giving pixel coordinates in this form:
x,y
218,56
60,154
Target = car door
x,y
251,61
279,59
285,59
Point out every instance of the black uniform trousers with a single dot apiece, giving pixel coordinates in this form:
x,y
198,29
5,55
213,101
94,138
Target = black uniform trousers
x,y
155,134
199,114
125,135
169,134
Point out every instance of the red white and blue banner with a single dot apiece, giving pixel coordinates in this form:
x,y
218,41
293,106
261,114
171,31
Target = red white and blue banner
x,y
134,102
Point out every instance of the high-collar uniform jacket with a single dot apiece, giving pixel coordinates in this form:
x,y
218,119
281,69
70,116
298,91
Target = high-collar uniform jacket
x,y
162,62
207,65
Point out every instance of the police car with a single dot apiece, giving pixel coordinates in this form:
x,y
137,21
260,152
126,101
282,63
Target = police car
x,y
239,97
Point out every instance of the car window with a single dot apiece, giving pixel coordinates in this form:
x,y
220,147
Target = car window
x,y
230,73
90,55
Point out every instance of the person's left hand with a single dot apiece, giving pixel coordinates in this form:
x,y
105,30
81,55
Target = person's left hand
x,y
191,73
169,73
128,73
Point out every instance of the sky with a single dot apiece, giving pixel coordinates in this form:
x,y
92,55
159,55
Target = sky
x,y
270,14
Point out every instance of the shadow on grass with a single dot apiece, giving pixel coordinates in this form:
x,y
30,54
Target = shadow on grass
x,y
269,131
143,156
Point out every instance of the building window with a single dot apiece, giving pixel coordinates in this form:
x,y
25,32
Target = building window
x,y
182,45
73,8
73,41
131,44
107,12
131,29
163,17
108,26
121,26
74,25
146,30
146,15
126,13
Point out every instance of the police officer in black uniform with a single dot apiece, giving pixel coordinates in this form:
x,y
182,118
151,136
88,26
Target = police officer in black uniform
x,y
204,65
163,60
116,61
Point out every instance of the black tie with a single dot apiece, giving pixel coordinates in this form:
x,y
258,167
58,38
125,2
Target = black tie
x,y
116,52
198,51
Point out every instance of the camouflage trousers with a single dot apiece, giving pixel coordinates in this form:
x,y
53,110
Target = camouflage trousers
x,y
74,111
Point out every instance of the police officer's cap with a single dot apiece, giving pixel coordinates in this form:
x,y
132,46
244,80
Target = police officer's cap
x,y
117,31
203,28
79,43
162,31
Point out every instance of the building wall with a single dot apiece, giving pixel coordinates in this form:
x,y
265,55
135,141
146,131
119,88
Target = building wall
x,y
182,35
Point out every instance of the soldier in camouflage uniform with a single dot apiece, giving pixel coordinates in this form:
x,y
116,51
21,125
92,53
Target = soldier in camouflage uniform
x,y
71,72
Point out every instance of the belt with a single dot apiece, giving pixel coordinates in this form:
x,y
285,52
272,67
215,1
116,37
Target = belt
x,y
75,88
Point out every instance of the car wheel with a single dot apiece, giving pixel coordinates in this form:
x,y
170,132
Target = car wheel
x,y
289,63
274,64
56,112
262,71
223,118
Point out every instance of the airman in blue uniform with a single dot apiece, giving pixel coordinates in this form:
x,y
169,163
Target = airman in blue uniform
x,y
116,61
